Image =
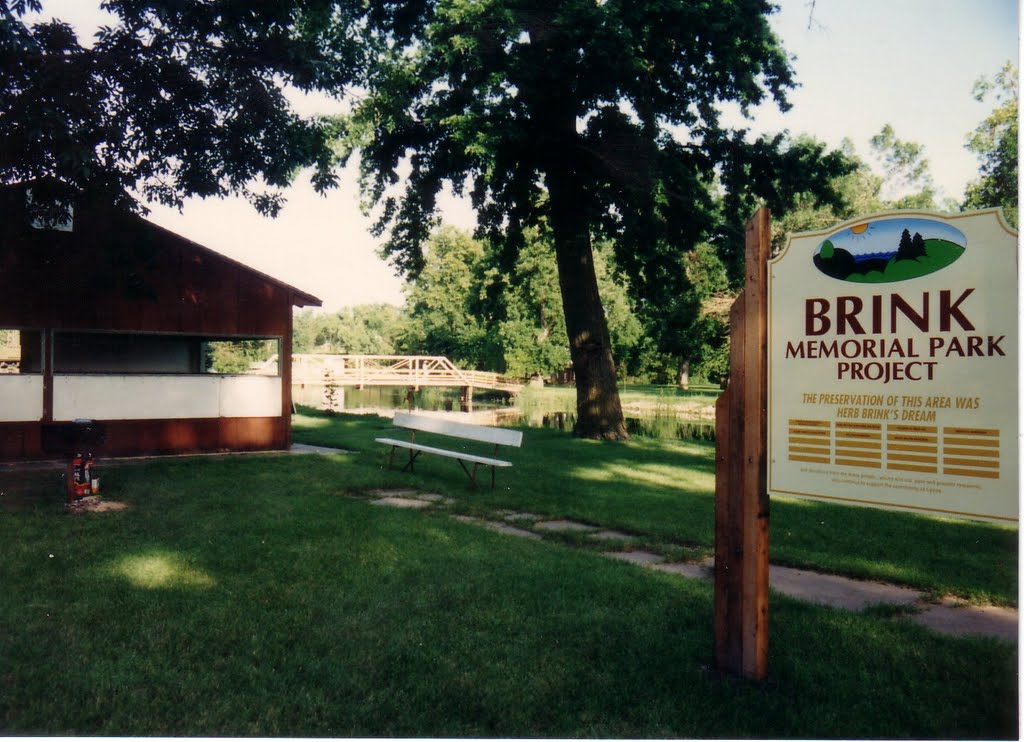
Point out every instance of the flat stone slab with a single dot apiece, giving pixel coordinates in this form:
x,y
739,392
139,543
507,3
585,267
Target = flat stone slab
x,y
954,619
636,557
402,502
508,530
835,591
511,515
305,448
563,526
611,535
685,569
392,492
502,528
430,497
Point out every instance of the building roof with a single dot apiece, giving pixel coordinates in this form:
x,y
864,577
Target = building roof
x,y
299,297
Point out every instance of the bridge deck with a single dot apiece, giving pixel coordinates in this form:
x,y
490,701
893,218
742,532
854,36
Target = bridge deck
x,y
387,370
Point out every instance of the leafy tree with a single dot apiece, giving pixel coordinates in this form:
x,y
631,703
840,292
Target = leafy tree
x,y
995,143
859,190
443,301
526,303
181,98
373,329
908,177
600,118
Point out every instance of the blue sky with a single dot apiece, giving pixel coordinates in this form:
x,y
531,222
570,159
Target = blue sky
x,y
883,235
860,64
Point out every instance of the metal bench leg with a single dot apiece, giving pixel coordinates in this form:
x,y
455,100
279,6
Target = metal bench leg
x,y
470,474
412,460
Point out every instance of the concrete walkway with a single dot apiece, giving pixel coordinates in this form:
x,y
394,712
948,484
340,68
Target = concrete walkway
x,y
948,616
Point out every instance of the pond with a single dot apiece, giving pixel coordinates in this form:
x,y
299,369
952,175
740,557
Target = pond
x,y
673,415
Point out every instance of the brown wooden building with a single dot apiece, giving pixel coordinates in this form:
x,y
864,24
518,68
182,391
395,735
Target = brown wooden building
x,y
170,346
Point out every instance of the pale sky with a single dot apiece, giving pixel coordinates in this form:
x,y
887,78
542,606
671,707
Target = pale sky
x,y
861,64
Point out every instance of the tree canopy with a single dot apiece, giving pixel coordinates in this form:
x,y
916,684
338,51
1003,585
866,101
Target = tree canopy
x,y
594,120
181,98
601,119
995,143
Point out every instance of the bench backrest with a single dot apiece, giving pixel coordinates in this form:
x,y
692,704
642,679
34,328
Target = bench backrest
x,y
482,433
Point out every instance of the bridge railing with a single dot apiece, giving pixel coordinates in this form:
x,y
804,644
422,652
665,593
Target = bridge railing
x,y
392,370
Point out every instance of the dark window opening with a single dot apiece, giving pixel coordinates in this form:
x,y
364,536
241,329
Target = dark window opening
x,y
124,353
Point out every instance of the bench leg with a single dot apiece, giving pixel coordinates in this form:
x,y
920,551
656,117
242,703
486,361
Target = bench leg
x,y
470,474
391,459
412,460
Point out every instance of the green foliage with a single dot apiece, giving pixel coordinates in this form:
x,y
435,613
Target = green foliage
x,y
375,329
444,301
995,143
906,183
179,98
908,178
600,120
464,305
237,356
531,334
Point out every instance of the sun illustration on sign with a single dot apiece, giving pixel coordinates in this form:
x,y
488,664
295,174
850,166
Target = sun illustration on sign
x,y
859,229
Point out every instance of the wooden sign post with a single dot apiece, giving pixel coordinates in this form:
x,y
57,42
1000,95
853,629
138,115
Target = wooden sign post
x,y
741,487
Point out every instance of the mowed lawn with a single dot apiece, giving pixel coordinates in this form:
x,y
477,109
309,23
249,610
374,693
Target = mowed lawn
x,y
251,596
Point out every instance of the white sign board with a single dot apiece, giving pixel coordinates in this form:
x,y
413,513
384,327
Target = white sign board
x,y
893,364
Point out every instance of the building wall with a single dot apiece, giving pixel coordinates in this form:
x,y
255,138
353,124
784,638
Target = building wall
x,y
157,397
114,272
21,398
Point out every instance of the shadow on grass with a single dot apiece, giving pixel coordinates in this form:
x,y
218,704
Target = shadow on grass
x,y
665,490
326,616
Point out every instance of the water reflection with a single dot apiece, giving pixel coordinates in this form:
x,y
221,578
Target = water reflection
x,y
494,408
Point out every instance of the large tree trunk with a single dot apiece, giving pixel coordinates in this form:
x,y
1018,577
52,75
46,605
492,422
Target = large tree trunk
x,y
559,156
598,409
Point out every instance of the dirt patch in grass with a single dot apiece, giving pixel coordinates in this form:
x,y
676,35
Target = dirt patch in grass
x,y
96,505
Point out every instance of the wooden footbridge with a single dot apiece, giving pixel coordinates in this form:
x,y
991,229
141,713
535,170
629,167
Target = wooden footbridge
x,y
411,371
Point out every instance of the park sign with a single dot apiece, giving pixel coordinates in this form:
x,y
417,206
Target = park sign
x,y
893,364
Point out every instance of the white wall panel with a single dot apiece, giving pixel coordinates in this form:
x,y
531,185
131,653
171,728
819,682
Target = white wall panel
x,y
250,396
159,397
103,397
21,398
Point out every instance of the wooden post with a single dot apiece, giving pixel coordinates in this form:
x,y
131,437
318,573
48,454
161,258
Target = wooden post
x,y
741,466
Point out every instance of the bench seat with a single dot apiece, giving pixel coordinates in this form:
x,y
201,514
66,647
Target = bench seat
x,y
459,430
472,458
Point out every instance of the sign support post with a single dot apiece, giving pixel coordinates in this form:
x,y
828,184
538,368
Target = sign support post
x,y
741,484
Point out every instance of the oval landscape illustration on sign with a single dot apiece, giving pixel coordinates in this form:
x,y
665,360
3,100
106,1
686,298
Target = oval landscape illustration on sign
x,y
889,250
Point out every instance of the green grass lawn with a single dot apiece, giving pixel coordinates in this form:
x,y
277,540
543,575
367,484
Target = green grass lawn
x,y
247,596
663,491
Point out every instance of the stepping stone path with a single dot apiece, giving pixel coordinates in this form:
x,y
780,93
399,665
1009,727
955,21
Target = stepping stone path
x,y
948,617
402,502
563,526
611,536
636,557
838,592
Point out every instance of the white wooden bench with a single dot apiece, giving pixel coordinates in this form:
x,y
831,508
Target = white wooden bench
x,y
465,431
